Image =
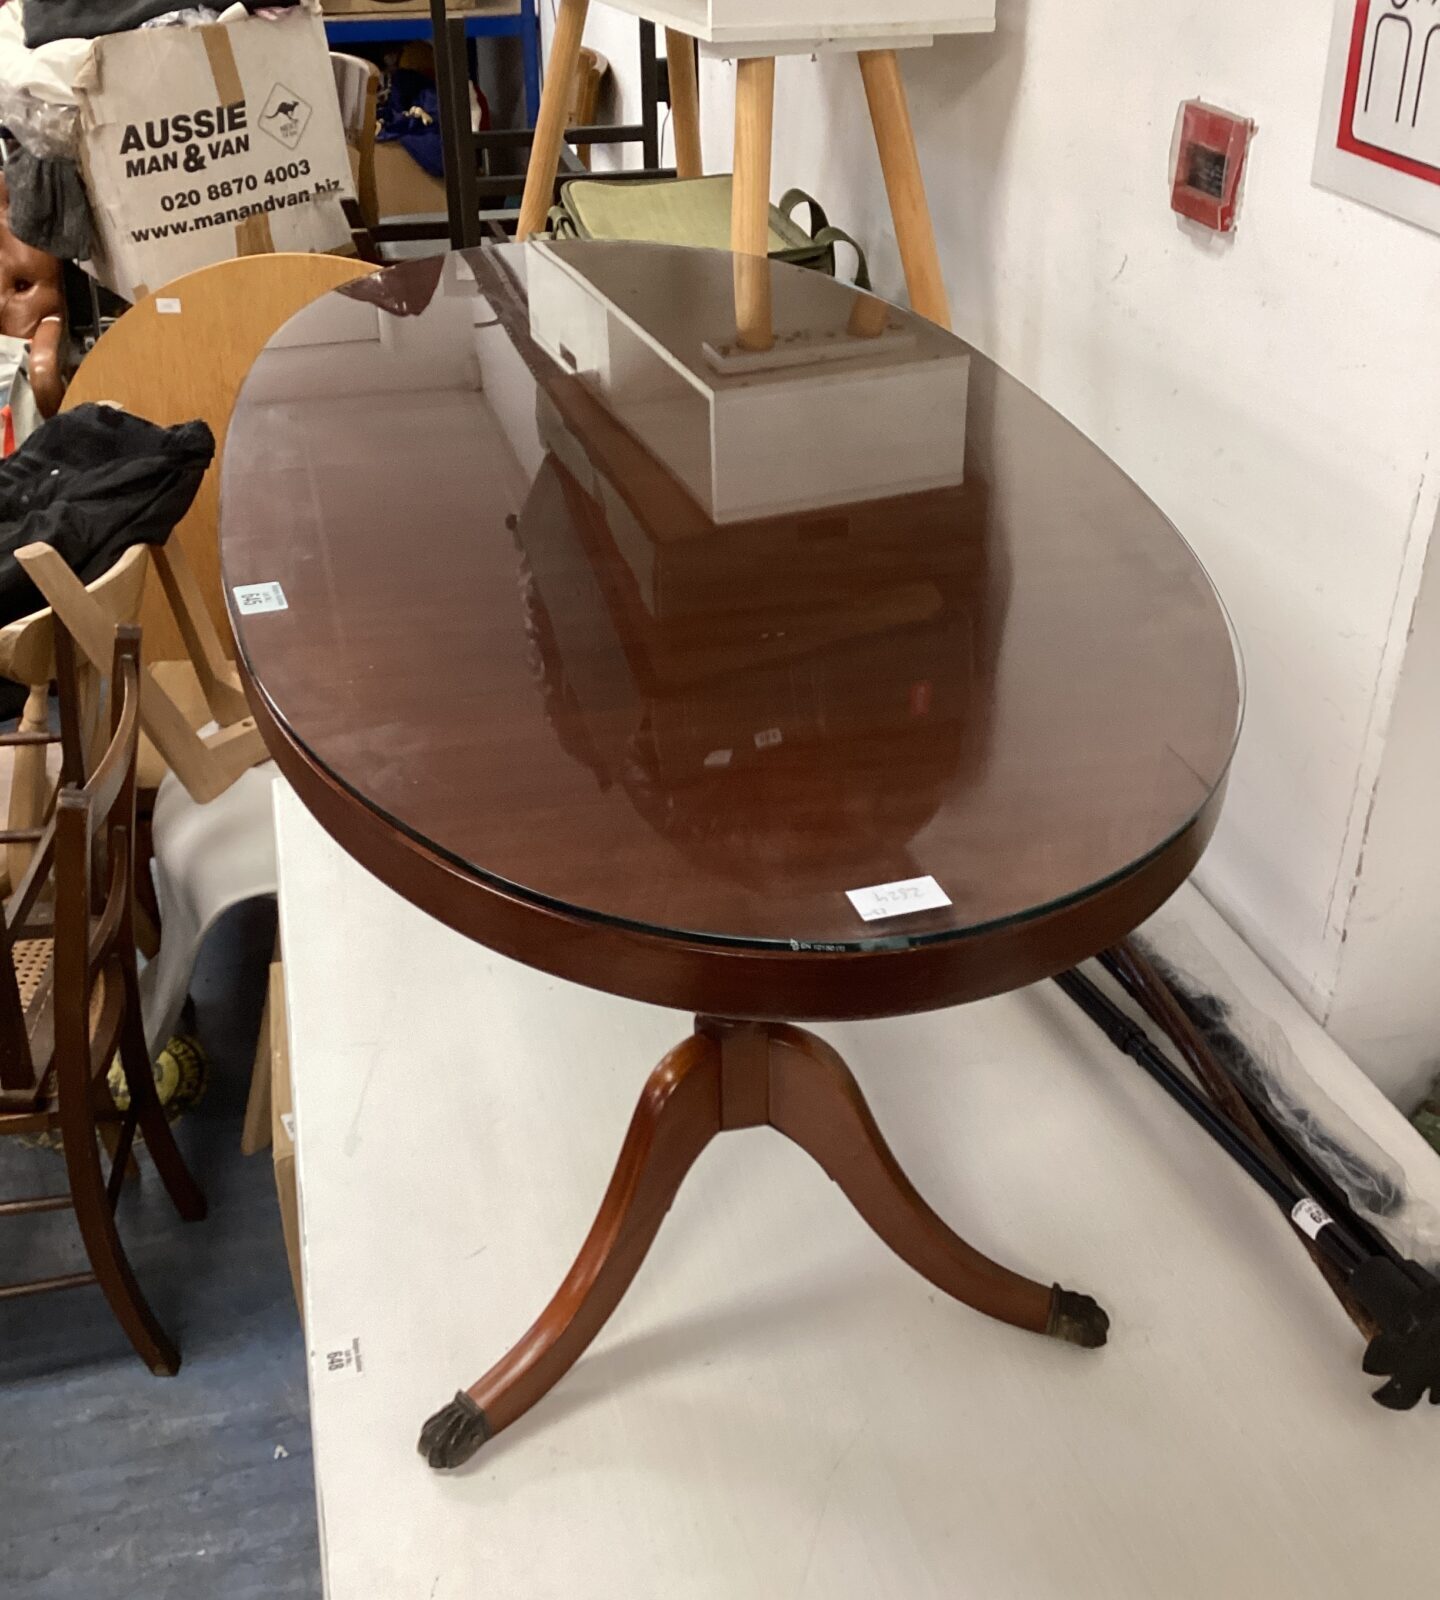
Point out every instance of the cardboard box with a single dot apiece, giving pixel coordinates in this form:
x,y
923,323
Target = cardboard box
x,y
282,1111
202,144
403,187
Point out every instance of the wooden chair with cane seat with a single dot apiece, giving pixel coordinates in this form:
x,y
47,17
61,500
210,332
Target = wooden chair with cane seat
x,y
69,1001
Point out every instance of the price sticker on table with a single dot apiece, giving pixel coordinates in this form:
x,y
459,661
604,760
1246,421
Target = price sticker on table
x,y
255,598
901,899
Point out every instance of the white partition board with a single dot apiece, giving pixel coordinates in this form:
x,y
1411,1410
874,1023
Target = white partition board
x,y
780,1408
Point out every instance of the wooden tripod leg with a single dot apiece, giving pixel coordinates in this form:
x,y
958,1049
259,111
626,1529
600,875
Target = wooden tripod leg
x,y
900,160
30,785
678,1116
555,106
750,204
816,1102
685,102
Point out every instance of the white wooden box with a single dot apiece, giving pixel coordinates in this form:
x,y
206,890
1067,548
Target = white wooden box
x,y
788,25
826,420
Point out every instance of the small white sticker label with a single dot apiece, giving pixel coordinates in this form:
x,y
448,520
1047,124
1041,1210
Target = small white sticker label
x,y
768,738
1310,1218
719,758
344,1361
287,1121
166,306
255,598
902,899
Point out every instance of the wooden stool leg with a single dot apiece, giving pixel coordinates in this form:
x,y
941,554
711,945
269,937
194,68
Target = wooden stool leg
x,y
900,160
816,1102
677,1117
869,316
750,211
554,111
30,786
684,103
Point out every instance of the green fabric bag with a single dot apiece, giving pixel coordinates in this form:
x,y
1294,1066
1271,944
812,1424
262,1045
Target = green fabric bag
x,y
695,211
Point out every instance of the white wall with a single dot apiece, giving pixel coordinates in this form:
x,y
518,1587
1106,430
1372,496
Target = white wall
x,y
1386,1006
1278,394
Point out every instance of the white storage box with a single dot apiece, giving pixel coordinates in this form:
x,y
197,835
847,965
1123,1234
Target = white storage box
x,y
202,144
793,430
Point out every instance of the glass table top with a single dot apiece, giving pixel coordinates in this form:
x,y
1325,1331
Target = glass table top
x,y
712,636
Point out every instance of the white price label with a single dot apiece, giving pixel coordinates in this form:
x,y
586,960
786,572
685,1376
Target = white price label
x,y
166,306
719,758
1310,1218
902,899
343,1361
255,598
287,1121
768,738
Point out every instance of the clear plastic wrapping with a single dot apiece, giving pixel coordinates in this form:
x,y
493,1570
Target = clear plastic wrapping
x,y
49,132
1262,1061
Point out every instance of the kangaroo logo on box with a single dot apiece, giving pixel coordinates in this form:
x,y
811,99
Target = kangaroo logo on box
x,y
285,116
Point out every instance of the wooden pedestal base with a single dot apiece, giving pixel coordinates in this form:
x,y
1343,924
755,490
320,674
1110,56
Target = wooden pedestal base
x,y
728,1076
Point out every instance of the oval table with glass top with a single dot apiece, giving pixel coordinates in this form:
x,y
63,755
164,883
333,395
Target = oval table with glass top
x,y
836,679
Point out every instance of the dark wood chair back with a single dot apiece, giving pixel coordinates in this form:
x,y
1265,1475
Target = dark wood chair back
x,y
70,1004
17,1056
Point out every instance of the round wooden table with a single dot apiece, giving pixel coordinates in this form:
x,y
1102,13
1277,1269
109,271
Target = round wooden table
x,y
844,679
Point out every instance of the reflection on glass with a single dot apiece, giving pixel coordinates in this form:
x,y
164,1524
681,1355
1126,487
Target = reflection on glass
x,y
771,738
850,400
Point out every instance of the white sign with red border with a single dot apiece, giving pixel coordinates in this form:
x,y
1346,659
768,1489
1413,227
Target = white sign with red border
x,y
1380,120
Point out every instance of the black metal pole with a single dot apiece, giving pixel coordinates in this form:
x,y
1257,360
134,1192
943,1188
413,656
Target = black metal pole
x,y
1402,1297
650,93
1129,1037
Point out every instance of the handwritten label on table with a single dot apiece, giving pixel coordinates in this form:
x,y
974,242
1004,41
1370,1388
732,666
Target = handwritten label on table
x,y
255,598
902,899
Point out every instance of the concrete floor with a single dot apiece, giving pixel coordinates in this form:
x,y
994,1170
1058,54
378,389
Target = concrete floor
x,y
115,1485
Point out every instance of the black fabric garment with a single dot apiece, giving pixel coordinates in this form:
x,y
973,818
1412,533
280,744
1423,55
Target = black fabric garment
x,y
92,482
48,20
49,208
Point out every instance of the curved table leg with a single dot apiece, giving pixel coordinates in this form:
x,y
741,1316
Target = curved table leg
x,y
816,1102
678,1116
730,1076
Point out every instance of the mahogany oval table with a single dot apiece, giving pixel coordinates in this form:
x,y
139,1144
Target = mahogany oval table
x,y
826,674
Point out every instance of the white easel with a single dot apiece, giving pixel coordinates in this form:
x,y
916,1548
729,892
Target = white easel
x,y
747,32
